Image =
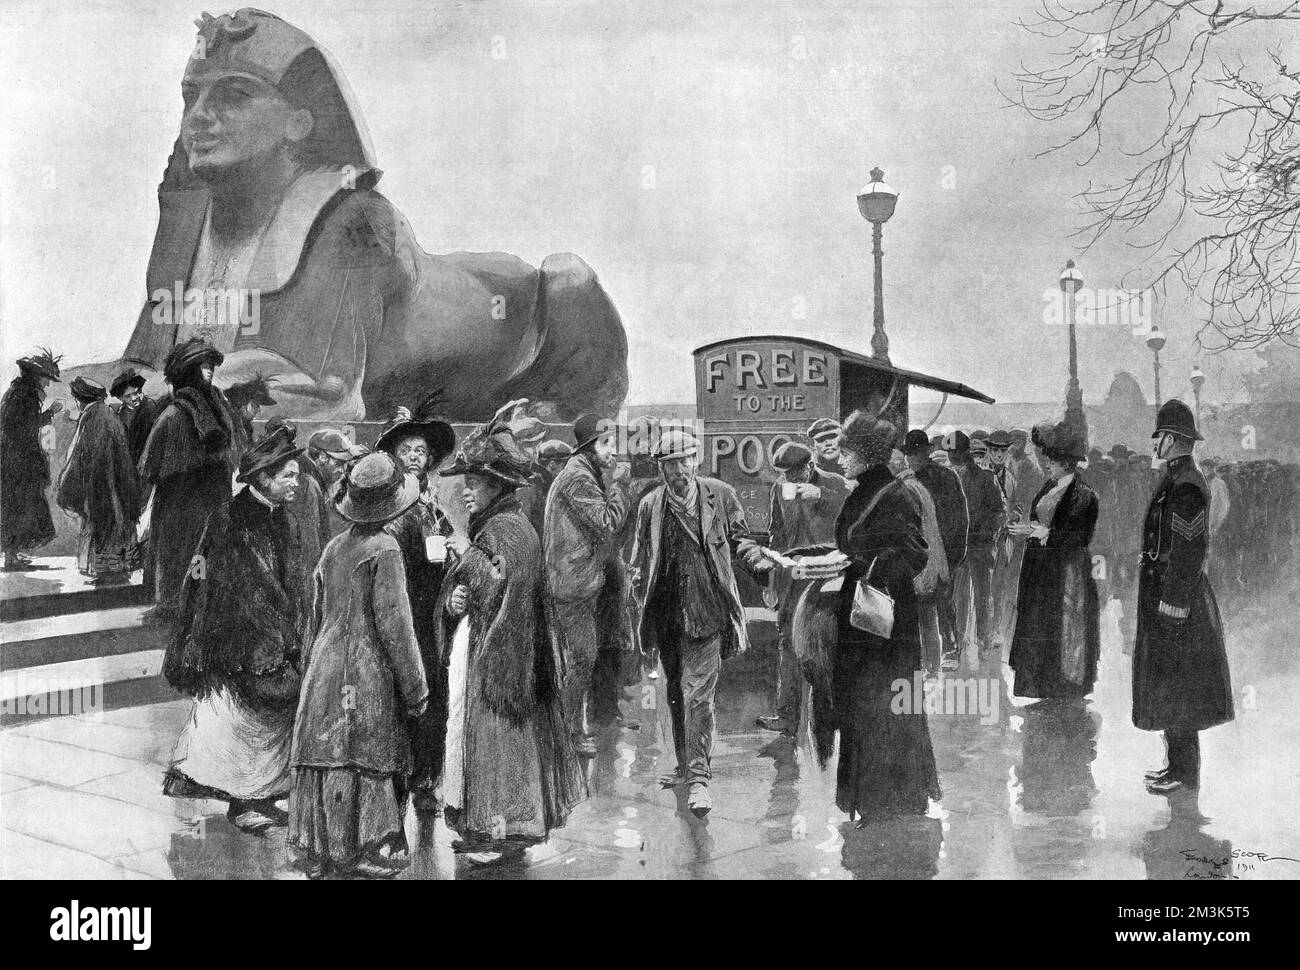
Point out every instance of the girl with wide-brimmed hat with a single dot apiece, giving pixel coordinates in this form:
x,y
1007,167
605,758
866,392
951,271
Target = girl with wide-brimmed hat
x,y
363,678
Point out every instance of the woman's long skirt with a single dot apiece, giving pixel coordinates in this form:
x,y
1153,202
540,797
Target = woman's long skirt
x,y
886,764
231,751
338,815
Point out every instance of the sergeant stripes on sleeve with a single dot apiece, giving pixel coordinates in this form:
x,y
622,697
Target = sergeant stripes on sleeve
x,y
1189,529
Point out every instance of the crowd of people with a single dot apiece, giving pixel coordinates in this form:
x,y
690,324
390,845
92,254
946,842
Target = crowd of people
x,y
349,649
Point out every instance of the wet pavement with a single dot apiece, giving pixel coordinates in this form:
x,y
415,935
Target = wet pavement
x,y
1030,791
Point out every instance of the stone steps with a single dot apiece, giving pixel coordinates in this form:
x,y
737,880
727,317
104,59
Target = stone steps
x,y
85,686
54,587
77,636
67,646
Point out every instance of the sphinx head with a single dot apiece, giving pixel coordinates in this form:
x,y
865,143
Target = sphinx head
x,y
259,92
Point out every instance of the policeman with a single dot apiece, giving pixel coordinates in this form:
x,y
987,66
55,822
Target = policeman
x,y
1181,684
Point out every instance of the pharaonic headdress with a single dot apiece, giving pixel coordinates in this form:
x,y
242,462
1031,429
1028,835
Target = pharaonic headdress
x,y
254,43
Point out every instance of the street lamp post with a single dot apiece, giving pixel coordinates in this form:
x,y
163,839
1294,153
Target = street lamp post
x,y
1156,341
876,203
1071,282
1198,380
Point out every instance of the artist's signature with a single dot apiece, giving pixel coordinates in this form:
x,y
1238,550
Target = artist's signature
x,y
1221,866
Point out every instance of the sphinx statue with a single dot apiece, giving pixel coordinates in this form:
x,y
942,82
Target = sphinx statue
x,y
274,245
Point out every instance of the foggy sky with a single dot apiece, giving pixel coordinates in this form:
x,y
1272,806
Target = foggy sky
x,y
702,157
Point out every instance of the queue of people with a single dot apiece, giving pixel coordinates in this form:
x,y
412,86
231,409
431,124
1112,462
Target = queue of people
x,y
351,651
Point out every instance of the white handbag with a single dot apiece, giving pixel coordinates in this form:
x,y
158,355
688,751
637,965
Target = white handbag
x,y
873,608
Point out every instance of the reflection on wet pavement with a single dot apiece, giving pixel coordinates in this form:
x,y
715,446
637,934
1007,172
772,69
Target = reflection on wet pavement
x,y
1030,790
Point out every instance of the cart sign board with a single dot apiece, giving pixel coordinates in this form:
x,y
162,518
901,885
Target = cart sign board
x,y
753,394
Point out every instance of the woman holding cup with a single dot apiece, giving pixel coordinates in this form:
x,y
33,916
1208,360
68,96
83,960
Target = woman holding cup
x,y
419,445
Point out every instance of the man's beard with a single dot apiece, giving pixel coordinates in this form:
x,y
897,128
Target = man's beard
x,y
681,486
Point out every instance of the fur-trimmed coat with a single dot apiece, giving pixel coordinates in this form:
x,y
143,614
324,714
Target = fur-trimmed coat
x,y
189,462
886,763
245,607
520,766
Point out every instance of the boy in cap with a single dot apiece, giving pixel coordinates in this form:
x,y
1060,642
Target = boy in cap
x,y
687,531
824,433
805,502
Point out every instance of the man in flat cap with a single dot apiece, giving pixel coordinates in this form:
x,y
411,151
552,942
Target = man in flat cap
x,y
585,578
1181,682
687,531
136,411
99,485
953,519
824,433
805,502
330,455
973,581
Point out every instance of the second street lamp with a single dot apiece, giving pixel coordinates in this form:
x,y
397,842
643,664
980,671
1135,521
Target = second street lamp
x,y
1156,341
1071,282
1198,381
876,203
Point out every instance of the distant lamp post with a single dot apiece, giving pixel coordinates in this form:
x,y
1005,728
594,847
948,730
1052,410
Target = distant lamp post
x,y
1071,282
1198,381
1156,341
876,203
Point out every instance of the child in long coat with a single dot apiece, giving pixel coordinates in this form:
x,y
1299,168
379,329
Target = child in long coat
x,y
363,677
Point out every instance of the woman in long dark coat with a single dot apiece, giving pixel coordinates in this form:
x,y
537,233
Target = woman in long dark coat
x,y
1058,631
188,461
245,614
510,775
24,466
362,679
886,764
